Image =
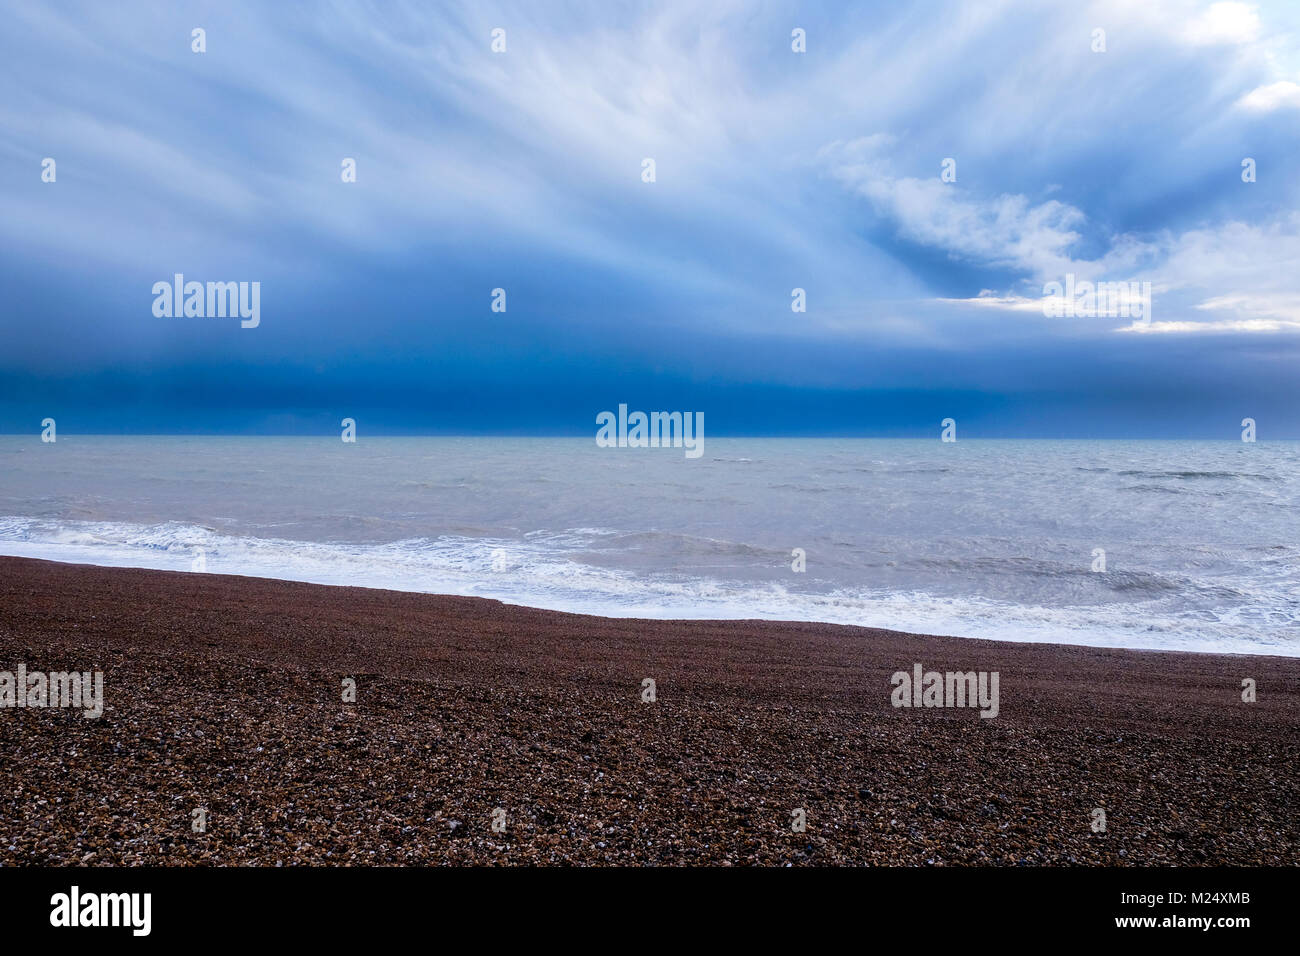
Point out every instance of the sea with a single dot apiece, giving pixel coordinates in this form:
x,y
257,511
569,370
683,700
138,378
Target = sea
x,y
1186,545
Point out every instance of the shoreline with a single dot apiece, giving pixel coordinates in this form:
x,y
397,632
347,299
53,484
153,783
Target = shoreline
x,y
222,693
684,618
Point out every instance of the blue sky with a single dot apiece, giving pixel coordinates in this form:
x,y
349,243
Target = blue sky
x,y
774,170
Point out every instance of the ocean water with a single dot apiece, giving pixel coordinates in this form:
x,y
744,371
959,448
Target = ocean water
x,y
974,538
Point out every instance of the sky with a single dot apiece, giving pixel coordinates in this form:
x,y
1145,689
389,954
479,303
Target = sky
x,y
1110,157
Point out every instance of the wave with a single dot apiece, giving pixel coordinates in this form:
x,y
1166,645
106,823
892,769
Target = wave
x,y
1163,489
578,569
1191,475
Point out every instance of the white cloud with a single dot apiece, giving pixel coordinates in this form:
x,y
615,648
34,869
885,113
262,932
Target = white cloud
x,y
1003,231
1241,275
1223,23
1219,327
1281,307
988,299
1265,99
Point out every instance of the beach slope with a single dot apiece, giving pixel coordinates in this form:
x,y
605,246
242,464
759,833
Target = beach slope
x,y
225,695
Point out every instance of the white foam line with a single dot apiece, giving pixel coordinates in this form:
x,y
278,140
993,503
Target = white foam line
x,y
535,576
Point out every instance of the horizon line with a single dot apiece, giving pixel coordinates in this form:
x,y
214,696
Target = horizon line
x,y
824,436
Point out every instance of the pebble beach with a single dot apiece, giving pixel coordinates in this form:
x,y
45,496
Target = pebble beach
x,y
485,733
